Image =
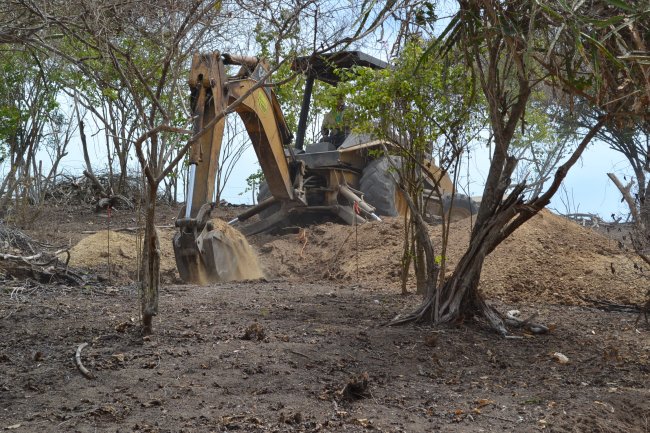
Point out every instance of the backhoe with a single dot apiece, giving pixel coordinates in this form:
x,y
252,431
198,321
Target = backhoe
x,y
342,180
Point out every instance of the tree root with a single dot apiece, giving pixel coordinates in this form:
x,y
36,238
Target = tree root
x,y
494,319
77,359
528,324
612,307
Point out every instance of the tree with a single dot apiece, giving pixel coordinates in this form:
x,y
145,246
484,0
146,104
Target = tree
x,y
30,120
109,104
145,47
632,140
512,47
625,83
17,24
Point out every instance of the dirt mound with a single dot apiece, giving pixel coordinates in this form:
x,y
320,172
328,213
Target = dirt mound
x,y
559,261
122,251
549,259
333,251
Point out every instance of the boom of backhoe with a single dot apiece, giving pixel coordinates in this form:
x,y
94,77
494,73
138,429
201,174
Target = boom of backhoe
x,y
201,252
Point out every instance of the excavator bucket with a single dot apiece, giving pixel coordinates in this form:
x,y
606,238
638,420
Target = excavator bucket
x,y
218,253
193,263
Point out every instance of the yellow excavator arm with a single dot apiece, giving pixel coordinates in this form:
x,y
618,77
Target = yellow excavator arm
x,y
212,93
197,245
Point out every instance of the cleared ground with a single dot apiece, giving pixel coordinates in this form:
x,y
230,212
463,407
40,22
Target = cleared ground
x,y
276,355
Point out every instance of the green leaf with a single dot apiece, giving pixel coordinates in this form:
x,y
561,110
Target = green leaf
x,y
602,24
603,50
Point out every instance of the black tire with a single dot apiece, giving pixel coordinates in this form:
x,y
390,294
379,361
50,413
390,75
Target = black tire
x,y
378,185
262,195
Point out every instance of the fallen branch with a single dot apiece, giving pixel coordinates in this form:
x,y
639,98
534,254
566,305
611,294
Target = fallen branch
x,y
298,353
627,195
111,202
16,239
44,267
26,259
32,259
584,219
610,306
77,358
125,229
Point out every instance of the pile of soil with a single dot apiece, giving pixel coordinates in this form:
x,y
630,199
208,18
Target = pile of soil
x,y
558,261
123,251
549,259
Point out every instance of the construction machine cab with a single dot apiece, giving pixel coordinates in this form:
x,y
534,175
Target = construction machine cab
x,y
323,67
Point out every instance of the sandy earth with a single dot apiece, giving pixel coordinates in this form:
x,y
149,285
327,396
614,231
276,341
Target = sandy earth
x,y
276,354
549,258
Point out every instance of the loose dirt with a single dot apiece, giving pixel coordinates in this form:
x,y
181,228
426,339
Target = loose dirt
x,y
281,354
122,252
203,370
548,259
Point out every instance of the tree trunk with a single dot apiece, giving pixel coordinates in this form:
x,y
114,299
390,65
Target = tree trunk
x,y
150,264
8,187
459,298
645,206
420,269
640,235
406,256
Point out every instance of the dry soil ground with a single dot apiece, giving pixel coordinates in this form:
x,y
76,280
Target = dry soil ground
x,y
277,354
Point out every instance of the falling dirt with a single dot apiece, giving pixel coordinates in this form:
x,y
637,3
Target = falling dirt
x,y
237,260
